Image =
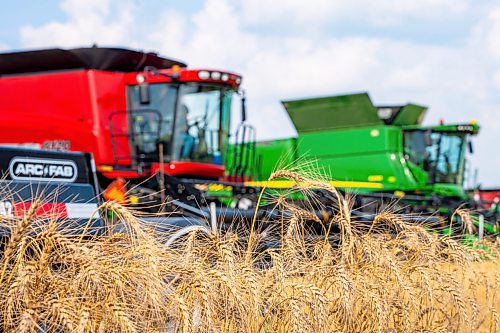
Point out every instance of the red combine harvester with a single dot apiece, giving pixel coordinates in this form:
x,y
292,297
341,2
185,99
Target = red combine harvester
x,y
139,114
489,197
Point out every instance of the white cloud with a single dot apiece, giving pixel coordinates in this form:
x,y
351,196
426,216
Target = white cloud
x,y
459,82
216,39
492,26
486,38
496,79
169,34
323,12
88,22
296,67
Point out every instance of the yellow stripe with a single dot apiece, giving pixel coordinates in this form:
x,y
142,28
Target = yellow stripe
x,y
289,183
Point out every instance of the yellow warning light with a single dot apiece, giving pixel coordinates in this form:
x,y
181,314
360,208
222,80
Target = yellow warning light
x,y
473,122
176,72
399,194
134,200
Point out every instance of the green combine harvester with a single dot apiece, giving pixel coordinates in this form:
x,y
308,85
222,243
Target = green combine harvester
x,y
370,148
381,153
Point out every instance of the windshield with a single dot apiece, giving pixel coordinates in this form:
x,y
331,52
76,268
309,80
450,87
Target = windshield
x,y
202,123
153,120
440,154
190,120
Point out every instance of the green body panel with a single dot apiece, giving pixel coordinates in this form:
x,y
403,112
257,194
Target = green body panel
x,y
368,154
446,190
357,141
420,175
272,155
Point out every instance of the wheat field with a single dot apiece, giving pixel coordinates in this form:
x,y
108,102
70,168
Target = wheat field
x,y
393,276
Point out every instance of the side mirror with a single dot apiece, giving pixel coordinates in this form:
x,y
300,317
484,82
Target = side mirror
x,y
243,107
144,97
471,148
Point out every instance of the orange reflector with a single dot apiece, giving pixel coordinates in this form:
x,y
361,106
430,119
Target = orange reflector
x,y
105,168
116,191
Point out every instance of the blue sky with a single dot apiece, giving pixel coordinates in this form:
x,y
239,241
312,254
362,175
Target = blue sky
x,y
441,53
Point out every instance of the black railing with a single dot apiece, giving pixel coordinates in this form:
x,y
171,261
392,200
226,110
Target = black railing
x,y
141,135
243,162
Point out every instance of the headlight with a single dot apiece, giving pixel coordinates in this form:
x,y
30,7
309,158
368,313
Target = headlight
x,y
203,75
140,78
215,75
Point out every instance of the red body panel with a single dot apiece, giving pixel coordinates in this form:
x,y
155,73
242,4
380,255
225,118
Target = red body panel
x,y
127,174
69,106
190,168
488,196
